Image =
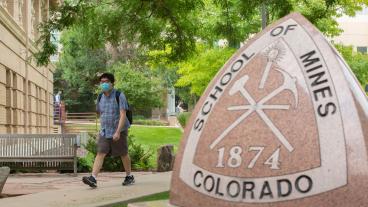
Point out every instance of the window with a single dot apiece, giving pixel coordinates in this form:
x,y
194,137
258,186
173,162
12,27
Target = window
x,y
15,92
362,50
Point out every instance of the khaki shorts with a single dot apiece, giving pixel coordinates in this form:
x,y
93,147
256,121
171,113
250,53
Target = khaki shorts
x,y
115,149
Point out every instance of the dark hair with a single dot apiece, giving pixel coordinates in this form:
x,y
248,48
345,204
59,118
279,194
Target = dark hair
x,y
108,76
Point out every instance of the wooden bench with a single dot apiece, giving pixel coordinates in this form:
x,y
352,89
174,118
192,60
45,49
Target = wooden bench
x,y
39,151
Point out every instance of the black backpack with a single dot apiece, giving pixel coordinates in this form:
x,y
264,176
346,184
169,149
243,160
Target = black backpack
x,y
129,112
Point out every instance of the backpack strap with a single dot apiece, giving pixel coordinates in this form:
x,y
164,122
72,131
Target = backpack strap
x,y
117,96
98,101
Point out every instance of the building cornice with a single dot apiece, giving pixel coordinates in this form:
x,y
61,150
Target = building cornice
x,y
7,20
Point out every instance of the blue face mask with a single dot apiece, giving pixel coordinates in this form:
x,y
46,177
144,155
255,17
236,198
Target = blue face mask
x,y
105,87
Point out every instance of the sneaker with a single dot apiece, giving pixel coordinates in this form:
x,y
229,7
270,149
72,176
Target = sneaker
x,y
129,180
91,181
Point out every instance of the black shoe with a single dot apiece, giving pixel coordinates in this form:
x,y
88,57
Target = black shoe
x,y
91,181
129,180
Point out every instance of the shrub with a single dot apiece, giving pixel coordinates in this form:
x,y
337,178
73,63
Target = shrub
x,y
85,164
138,154
183,118
150,122
138,117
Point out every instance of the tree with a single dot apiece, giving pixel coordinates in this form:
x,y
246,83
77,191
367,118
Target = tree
x,y
153,24
225,19
236,19
178,24
199,70
142,89
358,62
77,70
175,27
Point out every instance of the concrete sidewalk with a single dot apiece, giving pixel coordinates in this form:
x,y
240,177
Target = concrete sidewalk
x,y
63,190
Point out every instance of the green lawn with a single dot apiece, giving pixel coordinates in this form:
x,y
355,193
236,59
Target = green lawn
x,y
154,137
154,197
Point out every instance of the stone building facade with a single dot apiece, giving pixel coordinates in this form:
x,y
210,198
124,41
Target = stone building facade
x,y
26,90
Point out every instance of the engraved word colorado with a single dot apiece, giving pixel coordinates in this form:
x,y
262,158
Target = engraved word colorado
x,y
313,75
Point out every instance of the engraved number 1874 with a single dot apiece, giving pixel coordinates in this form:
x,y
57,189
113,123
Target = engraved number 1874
x,y
235,159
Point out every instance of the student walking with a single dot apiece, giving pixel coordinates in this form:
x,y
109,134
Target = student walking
x,y
112,106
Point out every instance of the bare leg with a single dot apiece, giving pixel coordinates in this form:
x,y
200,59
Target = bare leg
x,y
98,163
126,163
